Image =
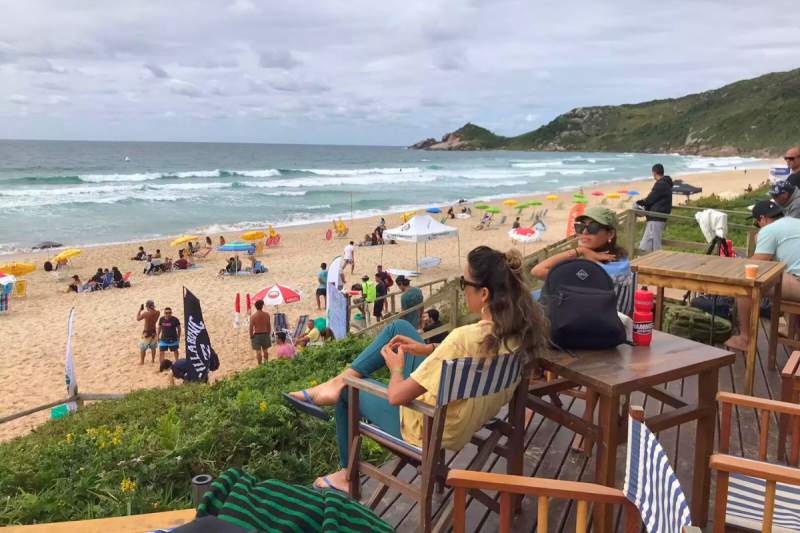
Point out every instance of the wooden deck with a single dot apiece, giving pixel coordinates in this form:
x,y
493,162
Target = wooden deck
x,y
549,454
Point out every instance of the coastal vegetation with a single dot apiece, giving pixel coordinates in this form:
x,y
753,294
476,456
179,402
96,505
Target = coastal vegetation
x,y
138,455
750,117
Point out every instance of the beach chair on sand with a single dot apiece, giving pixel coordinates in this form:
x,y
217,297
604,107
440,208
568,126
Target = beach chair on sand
x,y
281,325
20,287
126,278
543,214
458,376
443,221
502,220
621,205
604,201
754,494
560,206
302,322
5,298
276,241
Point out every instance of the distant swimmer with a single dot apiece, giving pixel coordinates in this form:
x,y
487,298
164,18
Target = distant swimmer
x,y
127,160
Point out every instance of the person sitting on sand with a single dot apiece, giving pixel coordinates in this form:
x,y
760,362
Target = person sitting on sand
x,y
326,335
148,314
285,349
778,240
184,263
156,255
231,268
484,222
141,255
597,230
511,321
221,240
311,335
99,277
209,244
75,285
117,277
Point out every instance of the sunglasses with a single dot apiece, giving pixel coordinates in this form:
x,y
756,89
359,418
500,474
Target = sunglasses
x,y
465,283
789,158
592,228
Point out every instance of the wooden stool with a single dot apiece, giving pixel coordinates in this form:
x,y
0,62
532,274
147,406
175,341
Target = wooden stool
x,y
793,310
790,392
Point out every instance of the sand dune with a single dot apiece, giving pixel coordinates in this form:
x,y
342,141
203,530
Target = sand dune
x,y
106,334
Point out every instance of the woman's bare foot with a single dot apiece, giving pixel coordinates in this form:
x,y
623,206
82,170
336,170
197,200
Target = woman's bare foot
x,y
738,343
338,480
324,394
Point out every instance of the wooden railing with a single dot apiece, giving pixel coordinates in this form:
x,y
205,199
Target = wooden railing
x,y
79,399
358,303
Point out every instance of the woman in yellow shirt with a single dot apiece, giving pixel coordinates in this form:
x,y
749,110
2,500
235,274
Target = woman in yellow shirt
x,y
510,321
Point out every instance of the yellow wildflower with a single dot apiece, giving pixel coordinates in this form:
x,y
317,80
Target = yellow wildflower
x,y
69,437
263,406
155,505
80,469
115,441
313,383
102,445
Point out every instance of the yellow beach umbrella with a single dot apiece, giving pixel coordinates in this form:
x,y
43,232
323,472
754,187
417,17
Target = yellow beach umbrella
x,y
253,236
552,197
510,202
612,195
405,217
17,269
184,239
66,254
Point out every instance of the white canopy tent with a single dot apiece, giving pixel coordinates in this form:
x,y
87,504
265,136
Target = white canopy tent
x,y
422,228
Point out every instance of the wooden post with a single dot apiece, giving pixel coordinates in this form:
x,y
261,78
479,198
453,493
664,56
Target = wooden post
x,y
79,402
751,242
454,308
541,524
630,233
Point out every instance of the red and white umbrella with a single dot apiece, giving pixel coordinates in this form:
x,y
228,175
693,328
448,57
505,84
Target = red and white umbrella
x,y
278,295
524,235
6,279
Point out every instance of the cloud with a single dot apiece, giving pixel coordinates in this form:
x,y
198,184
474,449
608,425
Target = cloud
x,y
450,60
51,86
241,7
282,59
157,71
286,82
18,99
40,66
435,102
531,118
184,88
213,63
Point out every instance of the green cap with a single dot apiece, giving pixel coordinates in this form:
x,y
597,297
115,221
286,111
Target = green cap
x,y
603,215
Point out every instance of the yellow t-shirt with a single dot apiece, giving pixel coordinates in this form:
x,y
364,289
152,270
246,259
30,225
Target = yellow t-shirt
x,y
313,335
464,417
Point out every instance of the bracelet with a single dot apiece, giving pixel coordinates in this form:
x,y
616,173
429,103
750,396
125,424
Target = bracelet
x,y
397,370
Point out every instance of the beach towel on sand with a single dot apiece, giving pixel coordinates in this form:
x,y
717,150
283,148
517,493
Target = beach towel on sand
x,y
240,498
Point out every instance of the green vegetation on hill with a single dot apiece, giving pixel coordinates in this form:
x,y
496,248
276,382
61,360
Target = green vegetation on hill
x,y
138,454
755,117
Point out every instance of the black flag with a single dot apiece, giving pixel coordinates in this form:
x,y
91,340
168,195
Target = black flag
x,y
199,354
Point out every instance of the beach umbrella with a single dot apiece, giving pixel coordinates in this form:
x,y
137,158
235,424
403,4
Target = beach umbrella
x,y
633,193
183,239
405,217
597,193
236,247
278,295
535,202
510,202
578,195
581,201
623,191
66,254
253,236
524,235
612,195
272,231
492,210
48,244
481,206
6,279
17,269
433,210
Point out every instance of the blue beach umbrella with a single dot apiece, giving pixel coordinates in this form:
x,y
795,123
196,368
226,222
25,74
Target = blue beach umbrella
x,y
633,193
237,247
434,210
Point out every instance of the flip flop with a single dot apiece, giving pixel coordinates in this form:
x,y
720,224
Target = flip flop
x,y
317,488
307,407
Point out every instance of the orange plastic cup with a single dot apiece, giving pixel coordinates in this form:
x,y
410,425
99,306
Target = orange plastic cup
x,y
751,271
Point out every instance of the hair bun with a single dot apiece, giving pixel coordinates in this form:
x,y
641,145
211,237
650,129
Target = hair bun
x,y
513,260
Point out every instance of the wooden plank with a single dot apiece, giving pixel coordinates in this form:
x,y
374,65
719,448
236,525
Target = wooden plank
x,y
664,396
123,524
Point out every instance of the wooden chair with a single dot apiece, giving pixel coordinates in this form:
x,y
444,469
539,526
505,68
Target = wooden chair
x,y
461,379
790,393
746,488
792,309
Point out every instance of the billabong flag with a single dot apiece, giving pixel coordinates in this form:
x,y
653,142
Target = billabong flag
x,y
199,354
72,381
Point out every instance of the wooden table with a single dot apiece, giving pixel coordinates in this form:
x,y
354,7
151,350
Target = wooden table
x,y
723,276
614,374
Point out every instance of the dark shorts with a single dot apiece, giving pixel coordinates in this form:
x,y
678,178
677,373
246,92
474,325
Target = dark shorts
x,y
172,346
260,341
322,292
377,309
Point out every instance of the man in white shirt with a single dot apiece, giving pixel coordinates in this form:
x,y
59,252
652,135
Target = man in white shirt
x,y
349,257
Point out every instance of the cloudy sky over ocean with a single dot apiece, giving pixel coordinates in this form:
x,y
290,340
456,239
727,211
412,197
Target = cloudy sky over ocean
x,y
363,72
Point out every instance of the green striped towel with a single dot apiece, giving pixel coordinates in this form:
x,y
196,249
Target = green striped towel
x,y
242,499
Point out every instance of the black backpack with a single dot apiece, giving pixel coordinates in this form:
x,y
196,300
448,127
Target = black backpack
x,y
580,302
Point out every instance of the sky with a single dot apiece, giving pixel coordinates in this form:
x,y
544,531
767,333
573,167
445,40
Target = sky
x,y
363,72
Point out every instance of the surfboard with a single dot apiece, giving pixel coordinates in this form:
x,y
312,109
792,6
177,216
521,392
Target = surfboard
x,y
406,273
429,262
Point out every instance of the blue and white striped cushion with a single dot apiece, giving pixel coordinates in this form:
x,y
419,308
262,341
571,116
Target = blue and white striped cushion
x,y
746,504
651,485
371,429
473,378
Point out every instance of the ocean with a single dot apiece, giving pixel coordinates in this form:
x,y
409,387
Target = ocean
x,y
87,193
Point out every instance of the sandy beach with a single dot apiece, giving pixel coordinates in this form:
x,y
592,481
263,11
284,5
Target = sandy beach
x,y
106,333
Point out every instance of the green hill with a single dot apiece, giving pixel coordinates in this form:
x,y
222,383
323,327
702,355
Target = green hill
x,y
750,117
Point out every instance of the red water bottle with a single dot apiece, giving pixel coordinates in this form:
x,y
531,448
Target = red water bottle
x,y
643,317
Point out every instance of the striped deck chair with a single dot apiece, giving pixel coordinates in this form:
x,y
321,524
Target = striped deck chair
x,y
753,494
5,298
560,206
650,482
281,324
502,220
443,221
460,379
302,322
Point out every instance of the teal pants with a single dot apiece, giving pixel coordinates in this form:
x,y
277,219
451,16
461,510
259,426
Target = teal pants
x,y
377,410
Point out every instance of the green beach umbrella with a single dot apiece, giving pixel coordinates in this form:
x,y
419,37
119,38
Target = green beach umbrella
x,y
493,210
481,206
535,202
581,201
578,195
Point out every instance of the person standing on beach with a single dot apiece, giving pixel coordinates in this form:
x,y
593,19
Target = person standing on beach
x,y
322,290
260,327
148,314
349,257
658,201
411,297
169,334
792,159
380,291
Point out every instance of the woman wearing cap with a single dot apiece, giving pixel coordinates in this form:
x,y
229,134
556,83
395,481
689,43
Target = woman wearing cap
x,y
597,231
494,288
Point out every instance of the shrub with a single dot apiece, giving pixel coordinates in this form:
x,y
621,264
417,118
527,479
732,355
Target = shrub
x,y
138,454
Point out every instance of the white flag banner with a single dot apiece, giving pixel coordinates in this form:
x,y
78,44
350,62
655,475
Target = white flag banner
x,y
72,381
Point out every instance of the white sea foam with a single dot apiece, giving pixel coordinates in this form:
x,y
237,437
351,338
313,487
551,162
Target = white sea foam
x,y
539,164
195,174
100,178
358,171
270,172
